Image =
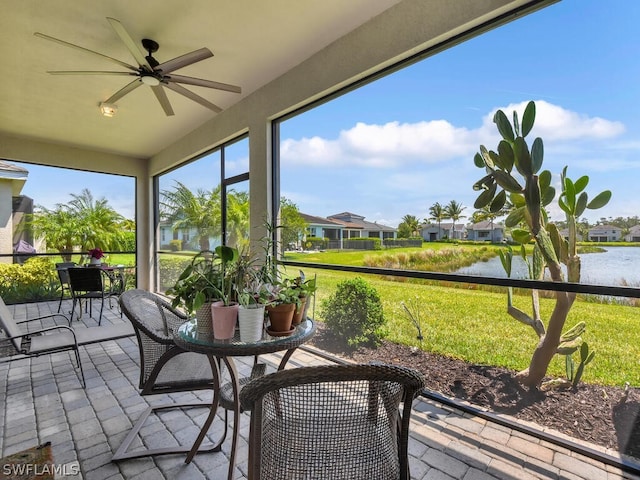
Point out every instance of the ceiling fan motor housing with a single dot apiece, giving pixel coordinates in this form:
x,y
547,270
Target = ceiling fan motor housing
x,y
151,46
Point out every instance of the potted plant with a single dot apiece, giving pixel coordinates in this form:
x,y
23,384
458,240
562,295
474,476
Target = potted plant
x,y
225,311
95,256
305,288
284,298
197,287
252,296
251,311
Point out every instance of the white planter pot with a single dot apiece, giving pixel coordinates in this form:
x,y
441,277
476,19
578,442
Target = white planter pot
x,y
251,321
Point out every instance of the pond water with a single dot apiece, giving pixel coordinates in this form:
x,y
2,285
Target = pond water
x,y
617,266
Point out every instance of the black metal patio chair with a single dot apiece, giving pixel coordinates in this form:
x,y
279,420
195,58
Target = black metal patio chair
x,y
63,276
331,422
87,283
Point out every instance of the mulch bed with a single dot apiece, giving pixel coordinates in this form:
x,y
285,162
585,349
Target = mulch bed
x,y
593,413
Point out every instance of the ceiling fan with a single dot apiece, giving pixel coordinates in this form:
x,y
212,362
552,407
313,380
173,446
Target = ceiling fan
x,y
151,72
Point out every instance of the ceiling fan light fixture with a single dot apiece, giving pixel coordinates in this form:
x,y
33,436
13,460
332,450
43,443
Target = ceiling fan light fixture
x,y
150,80
150,72
108,109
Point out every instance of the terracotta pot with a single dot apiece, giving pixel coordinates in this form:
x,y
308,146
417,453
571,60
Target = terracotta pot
x,y
224,318
300,311
281,316
203,317
251,322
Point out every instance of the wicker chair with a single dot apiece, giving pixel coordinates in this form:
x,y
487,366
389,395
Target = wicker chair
x,y
331,422
165,367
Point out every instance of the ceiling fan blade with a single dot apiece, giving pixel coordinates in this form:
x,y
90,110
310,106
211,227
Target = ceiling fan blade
x,y
184,60
196,98
67,44
131,45
162,98
92,72
203,83
123,91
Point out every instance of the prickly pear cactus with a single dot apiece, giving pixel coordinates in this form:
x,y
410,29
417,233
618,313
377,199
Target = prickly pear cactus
x,y
514,174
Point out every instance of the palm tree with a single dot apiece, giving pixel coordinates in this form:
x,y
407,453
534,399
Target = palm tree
x,y
437,213
58,227
412,225
237,219
83,223
98,222
454,211
200,210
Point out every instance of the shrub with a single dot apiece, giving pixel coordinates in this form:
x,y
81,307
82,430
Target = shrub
x,y
316,243
175,245
128,242
34,281
170,269
355,312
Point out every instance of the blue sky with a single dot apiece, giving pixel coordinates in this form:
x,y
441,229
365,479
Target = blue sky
x,y
399,145
404,142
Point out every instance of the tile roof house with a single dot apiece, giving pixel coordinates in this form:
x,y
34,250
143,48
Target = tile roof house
x,y
346,225
565,234
633,235
355,226
485,231
432,232
605,233
322,227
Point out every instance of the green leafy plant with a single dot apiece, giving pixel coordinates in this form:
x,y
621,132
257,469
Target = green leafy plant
x,y
228,256
248,283
575,374
305,287
284,291
206,278
355,312
514,174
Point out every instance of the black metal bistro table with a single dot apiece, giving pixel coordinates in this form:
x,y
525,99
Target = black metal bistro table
x,y
190,339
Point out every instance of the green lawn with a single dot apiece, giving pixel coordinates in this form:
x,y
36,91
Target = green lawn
x,y
473,324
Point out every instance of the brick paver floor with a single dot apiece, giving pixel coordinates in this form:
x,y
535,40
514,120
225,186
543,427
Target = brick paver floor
x,y
43,401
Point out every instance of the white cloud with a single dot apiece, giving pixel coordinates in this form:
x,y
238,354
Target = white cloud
x,y
556,123
395,144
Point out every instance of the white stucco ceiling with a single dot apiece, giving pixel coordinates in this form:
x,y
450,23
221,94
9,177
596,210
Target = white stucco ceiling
x,y
253,42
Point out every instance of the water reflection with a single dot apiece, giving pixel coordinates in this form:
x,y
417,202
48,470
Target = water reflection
x,y
615,267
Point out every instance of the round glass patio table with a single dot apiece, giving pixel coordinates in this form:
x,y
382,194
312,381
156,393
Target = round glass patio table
x,y
188,338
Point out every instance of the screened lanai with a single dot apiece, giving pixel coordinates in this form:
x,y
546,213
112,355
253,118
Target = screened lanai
x,y
283,56
286,57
